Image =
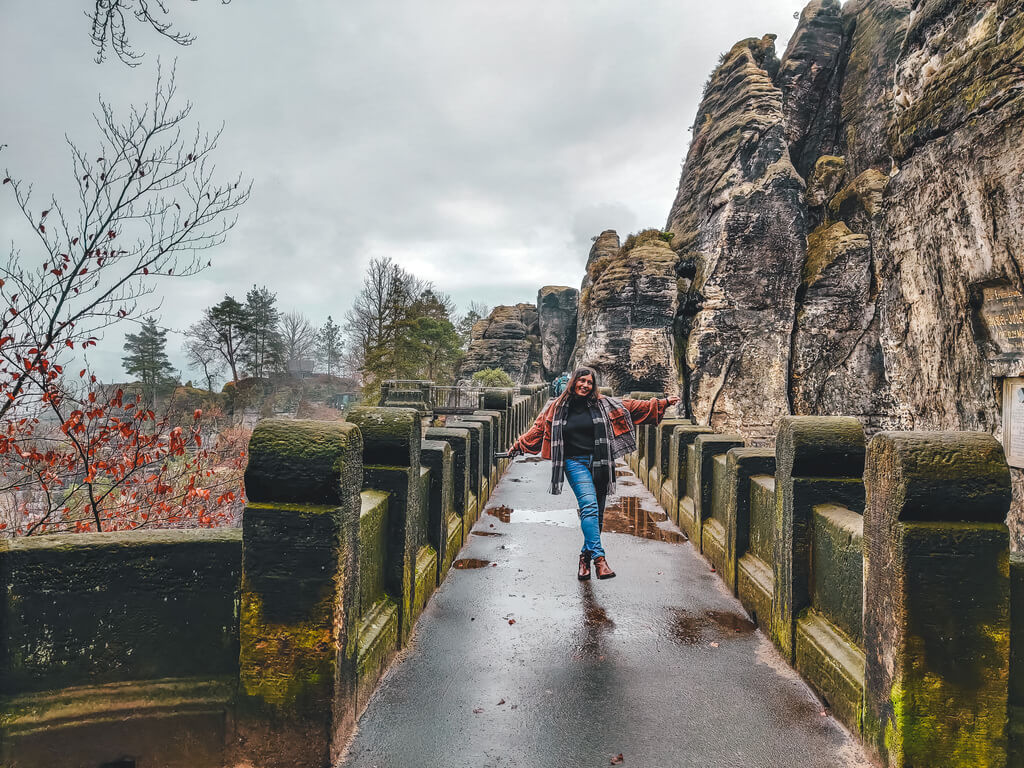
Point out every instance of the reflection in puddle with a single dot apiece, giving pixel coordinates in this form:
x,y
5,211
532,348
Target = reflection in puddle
x,y
596,626
502,513
533,459
470,562
627,516
688,628
485,533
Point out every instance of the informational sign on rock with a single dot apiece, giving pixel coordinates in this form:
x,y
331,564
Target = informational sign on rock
x,y
1013,421
1002,311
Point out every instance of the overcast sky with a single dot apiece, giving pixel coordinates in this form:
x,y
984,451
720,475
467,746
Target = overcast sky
x,y
481,145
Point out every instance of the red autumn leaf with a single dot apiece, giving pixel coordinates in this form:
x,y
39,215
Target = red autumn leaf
x,y
618,759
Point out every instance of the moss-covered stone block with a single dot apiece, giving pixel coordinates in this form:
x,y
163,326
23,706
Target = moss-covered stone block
x,y
937,599
674,487
730,503
819,460
299,594
100,608
833,664
701,485
391,436
298,460
649,458
102,629
1016,682
436,455
837,568
425,575
663,453
488,424
458,440
475,468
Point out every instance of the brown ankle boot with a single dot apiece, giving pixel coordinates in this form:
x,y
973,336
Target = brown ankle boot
x,y
584,572
604,571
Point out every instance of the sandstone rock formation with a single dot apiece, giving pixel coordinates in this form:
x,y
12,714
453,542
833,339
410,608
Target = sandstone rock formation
x,y
739,225
627,307
556,307
509,339
842,215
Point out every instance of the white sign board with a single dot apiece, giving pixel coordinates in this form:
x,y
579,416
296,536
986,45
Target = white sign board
x,y
1013,421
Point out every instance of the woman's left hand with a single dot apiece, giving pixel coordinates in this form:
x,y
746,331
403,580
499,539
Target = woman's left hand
x,y
673,400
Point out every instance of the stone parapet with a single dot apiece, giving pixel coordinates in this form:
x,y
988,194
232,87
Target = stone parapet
x,y
937,599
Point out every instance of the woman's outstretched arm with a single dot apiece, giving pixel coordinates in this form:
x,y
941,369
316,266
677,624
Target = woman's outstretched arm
x,y
533,438
648,411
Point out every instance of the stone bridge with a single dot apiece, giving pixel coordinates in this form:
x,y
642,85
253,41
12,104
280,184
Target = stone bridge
x,y
829,602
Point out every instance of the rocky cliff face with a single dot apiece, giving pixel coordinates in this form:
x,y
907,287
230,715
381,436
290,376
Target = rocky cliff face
x,y
509,339
627,306
845,214
556,307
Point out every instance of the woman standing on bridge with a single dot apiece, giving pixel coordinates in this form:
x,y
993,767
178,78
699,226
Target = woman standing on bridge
x,y
583,432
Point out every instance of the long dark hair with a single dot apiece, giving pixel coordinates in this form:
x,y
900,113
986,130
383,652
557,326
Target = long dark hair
x,y
570,388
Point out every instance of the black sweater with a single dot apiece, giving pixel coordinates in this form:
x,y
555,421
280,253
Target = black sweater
x,y
578,433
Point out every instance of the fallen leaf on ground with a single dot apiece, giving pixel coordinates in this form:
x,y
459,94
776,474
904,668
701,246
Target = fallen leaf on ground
x,y
511,621
618,759
477,711
501,702
714,645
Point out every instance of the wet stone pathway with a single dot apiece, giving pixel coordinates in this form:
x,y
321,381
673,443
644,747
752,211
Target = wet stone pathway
x,y
516,663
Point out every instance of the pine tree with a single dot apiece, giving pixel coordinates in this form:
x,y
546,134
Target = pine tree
x,y
230,323
147,356
262,348
329,345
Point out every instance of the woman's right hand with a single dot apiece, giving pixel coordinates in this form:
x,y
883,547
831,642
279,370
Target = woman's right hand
x,y
513,452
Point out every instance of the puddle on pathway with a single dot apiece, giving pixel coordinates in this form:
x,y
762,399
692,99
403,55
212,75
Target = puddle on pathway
x,y
688,628
533,459
470,562
485,533
626,515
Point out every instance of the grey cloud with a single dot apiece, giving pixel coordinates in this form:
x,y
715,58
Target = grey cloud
x,y
479,144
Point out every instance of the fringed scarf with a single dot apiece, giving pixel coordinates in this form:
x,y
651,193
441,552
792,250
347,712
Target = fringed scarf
x,y
603,467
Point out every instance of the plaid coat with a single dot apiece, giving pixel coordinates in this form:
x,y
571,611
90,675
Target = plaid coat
x,y
613,434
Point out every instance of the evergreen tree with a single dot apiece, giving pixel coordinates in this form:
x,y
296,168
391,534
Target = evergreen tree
x,y
329,345
230,324
262,347
147,356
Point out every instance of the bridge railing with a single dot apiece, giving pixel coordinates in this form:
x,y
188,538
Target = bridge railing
x,y
880,570
254,646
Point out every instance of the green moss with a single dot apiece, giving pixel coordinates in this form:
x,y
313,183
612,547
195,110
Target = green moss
x,y
290,666
927,721
863,193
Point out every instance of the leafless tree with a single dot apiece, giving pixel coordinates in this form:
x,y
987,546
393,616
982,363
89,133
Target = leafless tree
x,y
148,204
203,352
298,337
110,20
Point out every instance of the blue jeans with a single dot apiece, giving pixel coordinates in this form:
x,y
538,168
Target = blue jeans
x,y
590,501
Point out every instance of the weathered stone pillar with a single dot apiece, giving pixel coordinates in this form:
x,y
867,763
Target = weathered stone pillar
x,y
700,484
458,439
299,593
818,459
661,468
444,527
937,599
391,463
676,490
740,465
